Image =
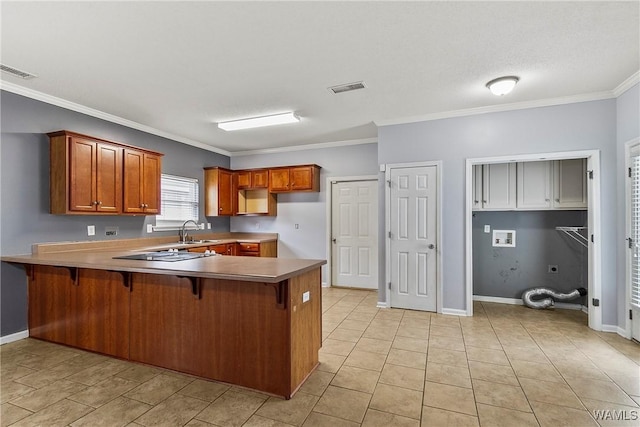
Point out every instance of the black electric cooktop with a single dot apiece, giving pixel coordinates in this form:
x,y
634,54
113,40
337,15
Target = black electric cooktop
x,y
163,256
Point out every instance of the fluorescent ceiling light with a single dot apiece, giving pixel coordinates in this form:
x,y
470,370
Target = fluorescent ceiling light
x,y
502,85
256,122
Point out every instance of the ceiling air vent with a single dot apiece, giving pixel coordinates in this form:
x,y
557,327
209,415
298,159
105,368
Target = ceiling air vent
x,y
347,87
16,72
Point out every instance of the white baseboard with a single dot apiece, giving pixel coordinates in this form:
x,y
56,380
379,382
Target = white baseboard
x,y
325,285
517,301
382,304
615,329
454,312
14,337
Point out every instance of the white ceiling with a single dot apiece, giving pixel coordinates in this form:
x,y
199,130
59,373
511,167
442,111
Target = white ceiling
x,y
179,67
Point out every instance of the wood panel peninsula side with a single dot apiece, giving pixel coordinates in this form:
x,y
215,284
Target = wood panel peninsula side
x,y
253,322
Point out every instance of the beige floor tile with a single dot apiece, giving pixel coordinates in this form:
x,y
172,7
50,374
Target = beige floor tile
x,y
557,416
447,357
60,413
358,379
445,320
316,419
550,392
317,383
258,421
410,359
580,370
177,410
495,416
448,374
50,359
606,391
410,344
542,371
361,317
373,346
48,395
293,411
96,373
354,325
445,331
340,348
402,376
10,414
434,417
350,405
375,418
139,373
343,334
12,390
397,400
10,371
410,332
450,398
502,395
204,390
493,373
103,392
366,360
414,322
613,414
487,355
446,342
330,362
49,375
230,409
527,354
482,342
380,333
119,412
157,389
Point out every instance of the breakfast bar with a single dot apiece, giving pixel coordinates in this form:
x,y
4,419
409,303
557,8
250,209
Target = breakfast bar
x,y
249,321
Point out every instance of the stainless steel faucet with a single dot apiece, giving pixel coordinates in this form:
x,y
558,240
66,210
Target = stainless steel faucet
x,y
183,232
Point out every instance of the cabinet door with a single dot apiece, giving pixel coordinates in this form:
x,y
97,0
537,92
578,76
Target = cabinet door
x,y
279,179
109,178
133,181
82,175
301,178
570,184
534,185
151,187
260,179
225,193
499,186
244,179
477,187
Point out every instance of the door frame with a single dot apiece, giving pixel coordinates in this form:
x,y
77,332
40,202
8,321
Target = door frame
x,y
387,228
627,230
329,224
593,209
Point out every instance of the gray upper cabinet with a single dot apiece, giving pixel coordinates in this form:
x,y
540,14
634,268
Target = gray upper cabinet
x,y
539,185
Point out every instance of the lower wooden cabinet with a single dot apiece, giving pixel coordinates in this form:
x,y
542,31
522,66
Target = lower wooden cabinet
x,y
264,249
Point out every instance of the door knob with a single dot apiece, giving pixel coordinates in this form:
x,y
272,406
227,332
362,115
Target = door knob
x,y
333,240
431,246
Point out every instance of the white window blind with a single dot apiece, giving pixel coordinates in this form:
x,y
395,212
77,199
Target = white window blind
x,y
635,231
179,200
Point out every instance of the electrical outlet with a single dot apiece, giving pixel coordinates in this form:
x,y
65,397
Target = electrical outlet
x,y
91,230
208,226
111,231
149,228
306,296
553,269
296,226
487,229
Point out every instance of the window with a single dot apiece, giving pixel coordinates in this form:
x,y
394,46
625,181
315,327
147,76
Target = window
x,y
179,200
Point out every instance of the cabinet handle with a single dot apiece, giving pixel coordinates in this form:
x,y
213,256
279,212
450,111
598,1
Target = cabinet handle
x,y
220,209
484,201
558,200
475,202
99,202
546,200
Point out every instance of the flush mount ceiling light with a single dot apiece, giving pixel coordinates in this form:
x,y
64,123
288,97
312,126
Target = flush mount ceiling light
x,y
256,122
502,85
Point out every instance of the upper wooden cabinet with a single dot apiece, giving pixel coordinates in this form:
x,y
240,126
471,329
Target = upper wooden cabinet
x,y
141,182
294,178
249,179
219,196
90,175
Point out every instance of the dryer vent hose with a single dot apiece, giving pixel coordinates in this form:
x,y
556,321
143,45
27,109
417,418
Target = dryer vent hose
x,y
549,296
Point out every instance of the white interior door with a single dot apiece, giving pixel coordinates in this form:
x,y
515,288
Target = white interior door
x,y
634,241
413,238
354,231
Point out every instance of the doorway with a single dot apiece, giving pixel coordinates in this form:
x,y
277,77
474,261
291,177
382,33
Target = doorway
x,y
593,219
633,238
413,236
353,213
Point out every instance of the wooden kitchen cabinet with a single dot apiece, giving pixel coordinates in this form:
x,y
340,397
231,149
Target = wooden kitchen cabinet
x,y
85,175
219,197
250,179
294,178
141,182
263,249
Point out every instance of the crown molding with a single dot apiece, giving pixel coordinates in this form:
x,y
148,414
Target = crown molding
x,y
597,96
59,102
317,146
633,80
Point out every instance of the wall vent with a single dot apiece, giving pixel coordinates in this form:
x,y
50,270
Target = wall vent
x,y
347,87
16,72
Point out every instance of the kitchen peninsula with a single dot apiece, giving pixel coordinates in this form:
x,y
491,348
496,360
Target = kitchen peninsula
x,y
249,321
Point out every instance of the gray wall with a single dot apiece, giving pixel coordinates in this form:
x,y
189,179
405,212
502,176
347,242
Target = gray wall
x,y
306,209
627,128
507,272
24,178
579,126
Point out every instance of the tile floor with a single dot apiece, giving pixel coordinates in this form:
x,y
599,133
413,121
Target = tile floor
x,y
506,366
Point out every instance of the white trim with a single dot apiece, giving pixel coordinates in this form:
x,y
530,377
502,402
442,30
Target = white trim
x,y
14,337
325,285
53,100
382,304
596,96
328,214
594,212
631,81
628,146
317,146
615,329
518,301
454,312
387,227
